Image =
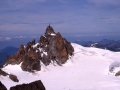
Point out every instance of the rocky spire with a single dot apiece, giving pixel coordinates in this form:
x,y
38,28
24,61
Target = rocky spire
x,y
49,30
50,47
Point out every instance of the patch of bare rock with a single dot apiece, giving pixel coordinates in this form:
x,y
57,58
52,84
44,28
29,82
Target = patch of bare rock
x,y
2,87
37,85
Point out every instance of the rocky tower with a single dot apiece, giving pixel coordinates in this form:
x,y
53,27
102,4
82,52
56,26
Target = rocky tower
x,y
50,47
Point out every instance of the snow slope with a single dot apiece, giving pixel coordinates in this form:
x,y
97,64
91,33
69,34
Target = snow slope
x,y
88,69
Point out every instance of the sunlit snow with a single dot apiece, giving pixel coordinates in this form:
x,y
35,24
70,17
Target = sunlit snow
x,y
88,69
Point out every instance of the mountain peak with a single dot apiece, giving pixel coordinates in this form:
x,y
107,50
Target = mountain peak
x,y
51,47
49,30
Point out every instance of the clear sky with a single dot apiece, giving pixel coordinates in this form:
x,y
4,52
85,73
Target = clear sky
x,y
73,18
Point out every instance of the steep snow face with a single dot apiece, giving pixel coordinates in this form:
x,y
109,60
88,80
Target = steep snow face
x,y
88,69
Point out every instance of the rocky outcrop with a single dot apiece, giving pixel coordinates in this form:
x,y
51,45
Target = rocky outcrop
x,y
11,76
49,30
2,87
27,56
3,73
60,53
50,47
69,47
37,85
117,74
17,58
57,48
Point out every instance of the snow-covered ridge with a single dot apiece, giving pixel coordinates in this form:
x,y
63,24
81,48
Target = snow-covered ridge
x,y
88,69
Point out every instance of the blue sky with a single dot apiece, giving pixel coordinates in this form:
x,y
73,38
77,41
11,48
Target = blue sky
x,y
73,18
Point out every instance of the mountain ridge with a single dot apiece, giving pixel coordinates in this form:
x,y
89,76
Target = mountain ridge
x,y
51,47
62,65
87,69
7,51
103,44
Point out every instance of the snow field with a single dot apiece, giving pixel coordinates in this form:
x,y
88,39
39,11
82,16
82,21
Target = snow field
x,y
88,69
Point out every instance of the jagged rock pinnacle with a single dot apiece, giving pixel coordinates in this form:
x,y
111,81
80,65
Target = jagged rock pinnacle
x,y
51,47
49,30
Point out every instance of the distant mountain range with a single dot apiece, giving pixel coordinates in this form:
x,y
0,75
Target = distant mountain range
x,y
7,51
103,44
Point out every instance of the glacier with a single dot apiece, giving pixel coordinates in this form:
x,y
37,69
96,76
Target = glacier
x,y
88,69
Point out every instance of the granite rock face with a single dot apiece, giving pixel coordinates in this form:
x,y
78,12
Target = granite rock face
x,y
31,61
17,58
57,48
27,56
60,53
51,47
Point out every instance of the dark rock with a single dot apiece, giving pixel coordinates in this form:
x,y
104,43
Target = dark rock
x,y
21,50
28,57
43,41
118,73
3,73
2,87
31,61
33,42
69,47
13,78
28,46
17,58
49,30
30,64
59,47
37,85
46,59
32,54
